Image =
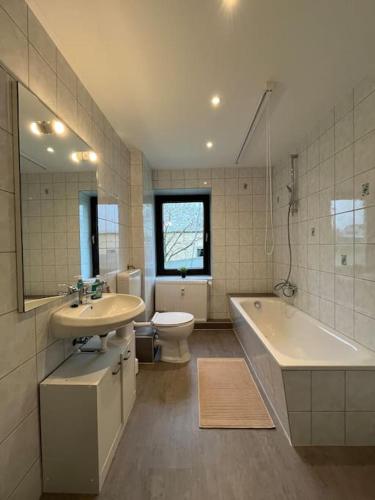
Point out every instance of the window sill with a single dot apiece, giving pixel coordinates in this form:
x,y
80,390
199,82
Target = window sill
x,y
192,277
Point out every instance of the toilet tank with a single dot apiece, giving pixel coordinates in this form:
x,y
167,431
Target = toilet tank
x,y
130,282
182,295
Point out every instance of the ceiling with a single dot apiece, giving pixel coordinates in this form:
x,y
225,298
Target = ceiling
x,y
153,65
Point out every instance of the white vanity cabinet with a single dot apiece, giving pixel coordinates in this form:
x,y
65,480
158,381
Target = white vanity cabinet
x,y
84,407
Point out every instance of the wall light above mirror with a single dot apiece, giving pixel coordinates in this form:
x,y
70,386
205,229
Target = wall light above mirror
x,y
57,222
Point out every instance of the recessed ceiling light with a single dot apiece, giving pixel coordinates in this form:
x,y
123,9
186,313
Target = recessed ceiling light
x,y
215,101
209,144
229,4
50,150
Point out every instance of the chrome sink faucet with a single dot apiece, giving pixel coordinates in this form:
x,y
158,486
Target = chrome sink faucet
x,y
69,289
84,295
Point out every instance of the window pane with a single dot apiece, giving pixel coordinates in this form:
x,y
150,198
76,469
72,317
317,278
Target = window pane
x,y
183,235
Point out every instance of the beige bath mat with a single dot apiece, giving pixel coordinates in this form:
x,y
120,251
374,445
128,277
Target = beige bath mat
x,y
229,397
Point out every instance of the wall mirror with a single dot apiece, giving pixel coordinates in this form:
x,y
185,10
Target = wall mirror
x,y
57,229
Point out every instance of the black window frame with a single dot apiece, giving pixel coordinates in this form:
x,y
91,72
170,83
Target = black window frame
x,y
182,198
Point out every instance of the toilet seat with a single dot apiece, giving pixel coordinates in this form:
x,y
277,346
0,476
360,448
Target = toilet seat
x,y
171,319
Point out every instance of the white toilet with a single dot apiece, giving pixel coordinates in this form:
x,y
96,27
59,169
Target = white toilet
x,y
173,330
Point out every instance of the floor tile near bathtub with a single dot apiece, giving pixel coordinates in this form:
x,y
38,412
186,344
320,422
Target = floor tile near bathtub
x,y
163,453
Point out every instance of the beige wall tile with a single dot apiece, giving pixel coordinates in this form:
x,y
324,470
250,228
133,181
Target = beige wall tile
x,y
364,116
364,330
17,10
364,153
17,332
364,297
17,454
42,42
5,102
66,105
18,395
66,74
42,79
7,226
13,47
30,487
8,273
49,359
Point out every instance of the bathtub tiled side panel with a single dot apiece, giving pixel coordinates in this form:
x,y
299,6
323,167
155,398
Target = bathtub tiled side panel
x,y
311,398
266,369
341,409
360,406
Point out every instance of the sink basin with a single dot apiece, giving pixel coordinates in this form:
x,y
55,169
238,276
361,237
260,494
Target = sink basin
x,y
99,317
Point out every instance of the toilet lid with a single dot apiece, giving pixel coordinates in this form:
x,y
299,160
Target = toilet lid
x,y
172,318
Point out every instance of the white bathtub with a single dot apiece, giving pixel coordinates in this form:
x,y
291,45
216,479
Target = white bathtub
x,y
320,383
295,339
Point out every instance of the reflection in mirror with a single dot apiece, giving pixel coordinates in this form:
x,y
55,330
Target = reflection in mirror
x,y
58,194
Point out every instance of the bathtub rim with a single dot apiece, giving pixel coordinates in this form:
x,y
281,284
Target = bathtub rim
x,y
235,301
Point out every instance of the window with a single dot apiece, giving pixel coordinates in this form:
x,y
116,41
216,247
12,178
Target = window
x,y
182,233
88,228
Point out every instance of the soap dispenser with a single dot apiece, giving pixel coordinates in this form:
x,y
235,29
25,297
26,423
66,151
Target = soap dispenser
x,y
79,282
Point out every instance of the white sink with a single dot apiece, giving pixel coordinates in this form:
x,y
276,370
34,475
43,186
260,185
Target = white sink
x,y
99,317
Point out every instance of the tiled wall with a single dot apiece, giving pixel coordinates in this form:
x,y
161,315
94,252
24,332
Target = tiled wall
x,y
333,233
238,260
27,351
143,234
51,229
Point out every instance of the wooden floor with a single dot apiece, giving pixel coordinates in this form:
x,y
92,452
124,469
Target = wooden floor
x,y
164,455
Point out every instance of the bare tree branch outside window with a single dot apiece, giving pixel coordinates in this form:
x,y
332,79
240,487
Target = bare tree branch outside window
x,y
183,235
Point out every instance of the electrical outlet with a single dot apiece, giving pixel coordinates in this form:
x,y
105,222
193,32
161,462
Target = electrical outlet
x,y
365,189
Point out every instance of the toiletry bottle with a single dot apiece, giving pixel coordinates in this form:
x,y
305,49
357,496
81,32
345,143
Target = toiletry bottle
x,y
79,282
97,288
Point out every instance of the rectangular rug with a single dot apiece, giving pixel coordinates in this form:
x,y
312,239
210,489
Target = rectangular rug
x,y
229,397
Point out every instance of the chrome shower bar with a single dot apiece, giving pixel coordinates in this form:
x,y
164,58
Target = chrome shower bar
x,y
253,121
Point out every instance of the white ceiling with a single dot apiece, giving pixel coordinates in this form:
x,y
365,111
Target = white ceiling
x,y
152,66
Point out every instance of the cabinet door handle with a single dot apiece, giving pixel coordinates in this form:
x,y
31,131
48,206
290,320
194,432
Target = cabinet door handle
x,y
127,356
116,370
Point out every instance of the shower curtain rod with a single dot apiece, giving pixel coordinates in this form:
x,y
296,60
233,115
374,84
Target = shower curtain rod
x,y
252,124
